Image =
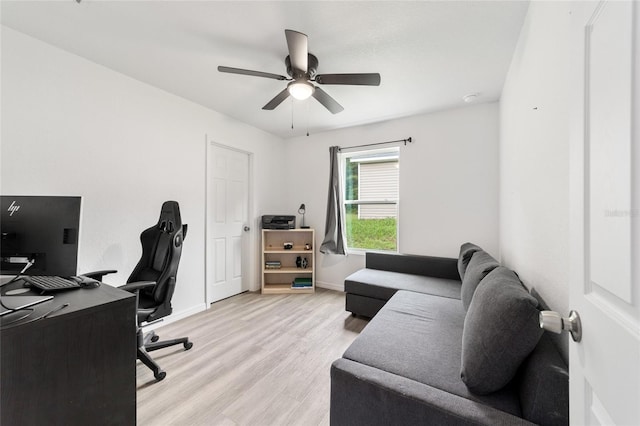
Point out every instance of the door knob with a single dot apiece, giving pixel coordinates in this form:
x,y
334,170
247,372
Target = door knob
x,y
246,228
554,322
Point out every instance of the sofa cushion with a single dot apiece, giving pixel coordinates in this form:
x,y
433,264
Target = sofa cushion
x,y
429,266
384,284
364,395
480,265
501,328
419,337
466,251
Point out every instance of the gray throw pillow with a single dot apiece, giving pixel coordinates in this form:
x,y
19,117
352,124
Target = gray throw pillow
x,y
500,330
480,265
466,251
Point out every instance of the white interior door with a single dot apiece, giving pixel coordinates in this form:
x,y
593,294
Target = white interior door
x,y
227,227
605,213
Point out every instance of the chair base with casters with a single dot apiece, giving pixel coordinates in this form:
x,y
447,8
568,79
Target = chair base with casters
x,y
149,342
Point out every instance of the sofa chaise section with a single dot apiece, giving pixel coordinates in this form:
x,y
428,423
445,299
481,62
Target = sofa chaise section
x,y
368,289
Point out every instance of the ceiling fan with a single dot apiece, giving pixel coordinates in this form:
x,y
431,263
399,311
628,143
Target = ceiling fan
x,y
301,68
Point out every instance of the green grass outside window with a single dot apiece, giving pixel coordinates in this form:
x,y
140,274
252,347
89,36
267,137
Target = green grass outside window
x,y
373,234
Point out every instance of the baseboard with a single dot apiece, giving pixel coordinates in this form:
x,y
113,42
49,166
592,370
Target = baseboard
x,y
176,316
330,286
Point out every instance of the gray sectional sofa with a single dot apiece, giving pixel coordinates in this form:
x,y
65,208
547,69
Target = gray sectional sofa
x,y
451,342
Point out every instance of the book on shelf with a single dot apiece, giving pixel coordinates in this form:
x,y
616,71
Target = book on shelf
x,y
301,283
272,264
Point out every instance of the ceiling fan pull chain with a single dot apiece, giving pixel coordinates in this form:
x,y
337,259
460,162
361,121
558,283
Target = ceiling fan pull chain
x,y
291,113
307,118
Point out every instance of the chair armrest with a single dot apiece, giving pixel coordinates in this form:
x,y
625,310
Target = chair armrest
x,y
137,285
429,266
97,275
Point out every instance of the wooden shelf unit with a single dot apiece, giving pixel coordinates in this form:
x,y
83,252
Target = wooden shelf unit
x,y
278,281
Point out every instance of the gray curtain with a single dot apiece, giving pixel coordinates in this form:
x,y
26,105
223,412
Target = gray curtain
x,y
334,239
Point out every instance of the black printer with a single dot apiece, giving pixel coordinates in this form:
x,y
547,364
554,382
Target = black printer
x,y
278,222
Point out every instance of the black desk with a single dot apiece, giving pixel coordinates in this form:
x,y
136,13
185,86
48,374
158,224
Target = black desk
x,y
75,367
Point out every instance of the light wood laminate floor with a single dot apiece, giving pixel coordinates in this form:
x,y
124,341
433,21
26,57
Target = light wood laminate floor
x,y
256,360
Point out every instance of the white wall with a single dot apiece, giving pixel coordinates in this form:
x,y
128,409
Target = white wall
x,y
534,155
126,147
71,127
448,183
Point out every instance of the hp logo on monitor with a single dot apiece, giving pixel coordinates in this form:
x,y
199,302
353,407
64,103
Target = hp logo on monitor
x,y
13,208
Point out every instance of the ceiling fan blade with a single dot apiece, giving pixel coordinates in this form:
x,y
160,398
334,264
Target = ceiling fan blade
x,y
327,101
251,73
298,50
273,103
371,79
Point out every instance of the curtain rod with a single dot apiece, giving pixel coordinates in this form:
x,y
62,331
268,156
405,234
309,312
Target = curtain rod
x,y
378,143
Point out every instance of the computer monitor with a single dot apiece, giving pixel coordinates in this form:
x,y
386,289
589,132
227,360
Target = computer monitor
x,y
41,229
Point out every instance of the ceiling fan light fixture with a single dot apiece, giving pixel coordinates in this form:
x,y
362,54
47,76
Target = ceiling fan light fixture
x,y
301,90
470,98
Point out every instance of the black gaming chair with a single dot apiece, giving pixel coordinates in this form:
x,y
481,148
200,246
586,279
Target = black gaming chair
x,y
154,280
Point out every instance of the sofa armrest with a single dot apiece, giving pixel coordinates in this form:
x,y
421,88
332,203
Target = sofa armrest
x,y
429,266
363,395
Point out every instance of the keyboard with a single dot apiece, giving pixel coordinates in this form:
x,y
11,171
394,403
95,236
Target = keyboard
x,y
50,283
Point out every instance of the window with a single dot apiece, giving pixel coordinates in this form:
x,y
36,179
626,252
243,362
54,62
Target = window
x,y
371,188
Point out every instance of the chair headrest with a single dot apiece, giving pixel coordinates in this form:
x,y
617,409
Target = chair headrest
x,y
170,219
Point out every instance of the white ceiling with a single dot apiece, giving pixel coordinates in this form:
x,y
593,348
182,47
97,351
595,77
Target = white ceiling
x,y
429,53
